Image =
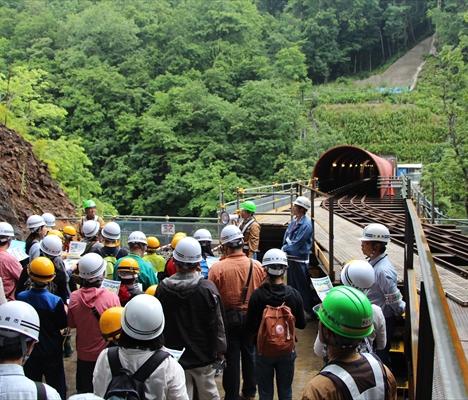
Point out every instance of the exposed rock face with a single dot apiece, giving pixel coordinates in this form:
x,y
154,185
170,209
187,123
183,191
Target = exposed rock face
x,y
26,186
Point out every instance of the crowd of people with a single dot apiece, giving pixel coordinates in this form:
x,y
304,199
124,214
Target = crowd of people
x,y
176,321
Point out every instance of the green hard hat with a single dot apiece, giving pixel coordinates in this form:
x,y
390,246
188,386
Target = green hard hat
x,y
347,312
248,206
89,204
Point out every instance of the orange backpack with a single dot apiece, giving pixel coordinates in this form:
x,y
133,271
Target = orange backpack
x,y
276,333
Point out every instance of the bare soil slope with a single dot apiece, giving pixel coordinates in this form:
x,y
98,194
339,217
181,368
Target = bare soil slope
x,y
26,186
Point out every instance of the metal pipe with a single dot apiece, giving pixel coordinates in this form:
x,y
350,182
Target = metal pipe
x,y
452,362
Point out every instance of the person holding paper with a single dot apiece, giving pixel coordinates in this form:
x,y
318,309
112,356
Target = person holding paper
x,y
10,268
141,338
86,306
194,320
297,244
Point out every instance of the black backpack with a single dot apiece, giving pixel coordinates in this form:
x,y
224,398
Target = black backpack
x,y
124,384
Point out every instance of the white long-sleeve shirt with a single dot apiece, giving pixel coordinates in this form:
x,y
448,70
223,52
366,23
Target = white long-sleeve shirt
x,y
167,382
379,335
15,386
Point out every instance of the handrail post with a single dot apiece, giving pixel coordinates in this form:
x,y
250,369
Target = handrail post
x,y
432,202
331,238
291,200
312,213
425,360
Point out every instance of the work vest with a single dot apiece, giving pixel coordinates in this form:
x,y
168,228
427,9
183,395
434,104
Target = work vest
x,y
244,229
377,392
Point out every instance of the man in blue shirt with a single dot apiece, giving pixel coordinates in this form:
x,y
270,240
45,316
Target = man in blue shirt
x,y
46,359
297,243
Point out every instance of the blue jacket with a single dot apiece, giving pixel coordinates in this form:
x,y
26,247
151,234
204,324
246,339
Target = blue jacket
x,y
53,318
297,240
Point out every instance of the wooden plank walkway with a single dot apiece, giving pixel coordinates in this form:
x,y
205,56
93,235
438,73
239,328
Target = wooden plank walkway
x,y
347,246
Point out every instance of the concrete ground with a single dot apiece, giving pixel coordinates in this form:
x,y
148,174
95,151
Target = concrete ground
x,y
307,364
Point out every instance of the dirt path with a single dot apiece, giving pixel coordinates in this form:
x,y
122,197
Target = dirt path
x,y
404,71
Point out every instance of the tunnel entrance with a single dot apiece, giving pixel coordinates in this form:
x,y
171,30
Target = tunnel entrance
x,y
351,170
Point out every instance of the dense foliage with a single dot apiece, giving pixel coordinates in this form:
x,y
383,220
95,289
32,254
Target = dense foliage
x,y
154,106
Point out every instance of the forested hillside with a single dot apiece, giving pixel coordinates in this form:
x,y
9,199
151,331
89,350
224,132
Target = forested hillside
x,y
154,106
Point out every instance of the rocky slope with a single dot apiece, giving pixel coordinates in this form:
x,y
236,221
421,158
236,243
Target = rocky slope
x,y
26,186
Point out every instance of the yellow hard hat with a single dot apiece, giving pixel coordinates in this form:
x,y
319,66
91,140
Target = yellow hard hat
x,y
151,290
110,323
130,265
153,242
69,230
41,270
176,238
56,232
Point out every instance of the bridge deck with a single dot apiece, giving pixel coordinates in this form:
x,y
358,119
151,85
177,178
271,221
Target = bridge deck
x,y
348,246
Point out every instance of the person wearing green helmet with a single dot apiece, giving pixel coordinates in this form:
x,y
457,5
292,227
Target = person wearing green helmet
x,y
345,318
89,207
250,228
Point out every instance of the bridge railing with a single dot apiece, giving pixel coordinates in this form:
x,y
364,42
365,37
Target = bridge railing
x,y
429,323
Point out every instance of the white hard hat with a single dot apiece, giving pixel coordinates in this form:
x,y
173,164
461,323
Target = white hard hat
x,y
231,233
20,317
188,250
143,317
49,219
91,267
90,228
375,233
137,237
111,231
275,261
303,202
6,229
51,245
203,235
85,396
35,221
358,274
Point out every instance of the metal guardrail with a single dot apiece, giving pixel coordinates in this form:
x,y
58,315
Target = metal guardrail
x,y
429,324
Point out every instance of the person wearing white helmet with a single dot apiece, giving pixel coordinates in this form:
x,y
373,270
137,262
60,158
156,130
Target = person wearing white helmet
x,y
19,331
90,236
137,243
194,319
49,220
89,207
85,308
236,277
204,238
384,292
360,275
10,268
111,251
274,293
141,343
297,244
38,229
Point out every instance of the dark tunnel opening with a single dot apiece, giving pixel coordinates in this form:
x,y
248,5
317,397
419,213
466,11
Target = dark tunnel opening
x,y
350,170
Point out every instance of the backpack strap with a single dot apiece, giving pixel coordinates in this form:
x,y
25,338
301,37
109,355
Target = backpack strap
x,y
41,391
96,313
114,360
246,287
150,365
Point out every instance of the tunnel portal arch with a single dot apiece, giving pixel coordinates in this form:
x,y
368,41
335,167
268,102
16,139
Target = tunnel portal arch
x,y
351,168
